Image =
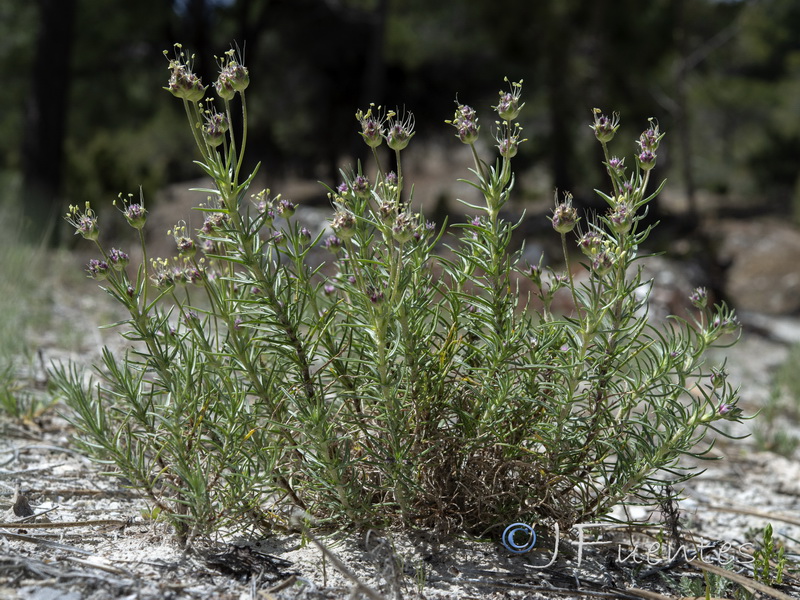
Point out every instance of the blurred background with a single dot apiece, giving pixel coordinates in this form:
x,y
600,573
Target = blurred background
x,y
84,118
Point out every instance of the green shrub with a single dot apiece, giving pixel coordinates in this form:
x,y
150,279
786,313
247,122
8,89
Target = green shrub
x,y
408,381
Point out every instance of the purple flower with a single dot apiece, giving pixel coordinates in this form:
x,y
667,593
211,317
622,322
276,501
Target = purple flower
x,y
401,130
97,269
84,222
508,106
183,83
371,126
647,160
590,243
361,186
466,124
119,259
136,215
565,216
604,127
699,297
286,208
333,244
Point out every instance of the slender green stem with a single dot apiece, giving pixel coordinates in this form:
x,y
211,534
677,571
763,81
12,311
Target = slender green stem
x,y
192,114
243,147
479,166
614,181
568,268
399,180
143,284
381,174
231,131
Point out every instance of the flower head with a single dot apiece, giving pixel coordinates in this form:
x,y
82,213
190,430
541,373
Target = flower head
x,y
233,77
185,245
725,324
376,296
387,189
372,126
97,269
286,208
648,144
718,377
360,186
265,206
163,276
193,274
333,244
616,166
534,273
134,212
84,221
729,411
404,227
466,123
647,160
475,224
215,127
604,127
590,243
183,83
119,259
400,130
699,297
651,137
508,106
425,230
344,224
387,212
278,238
508,140
620,218
565,216
213,222
602,262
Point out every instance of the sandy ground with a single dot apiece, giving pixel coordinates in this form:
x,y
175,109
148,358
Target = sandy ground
x,y
91,540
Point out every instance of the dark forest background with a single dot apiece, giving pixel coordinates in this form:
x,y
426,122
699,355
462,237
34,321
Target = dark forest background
x,y
84,117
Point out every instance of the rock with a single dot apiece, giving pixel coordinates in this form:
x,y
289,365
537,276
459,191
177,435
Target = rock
x,y
763,265
673,282
22,507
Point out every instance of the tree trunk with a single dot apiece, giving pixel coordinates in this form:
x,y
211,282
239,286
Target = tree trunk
x,y
557,75
682,116
46,116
